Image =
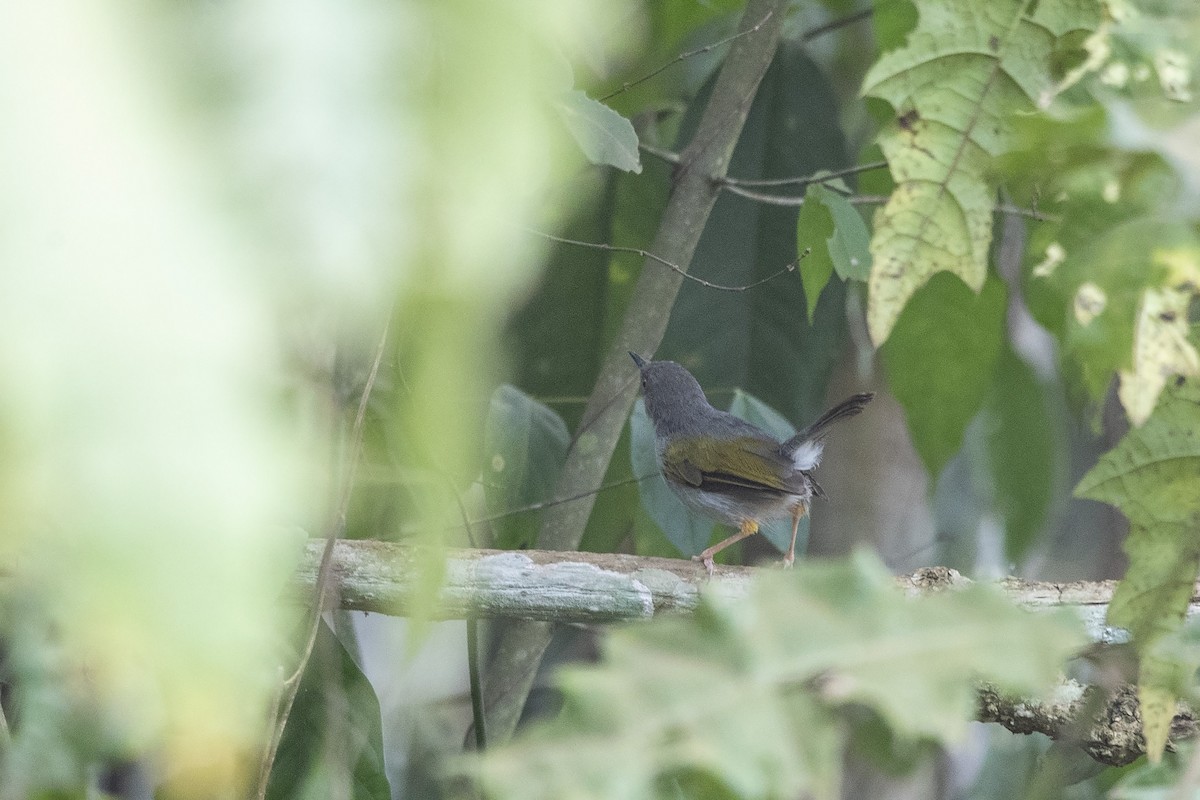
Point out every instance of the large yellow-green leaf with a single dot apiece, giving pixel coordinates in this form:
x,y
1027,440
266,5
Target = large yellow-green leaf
x,y
1152,476
962,70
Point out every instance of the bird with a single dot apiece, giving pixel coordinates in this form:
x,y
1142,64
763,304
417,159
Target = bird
x,y
726,468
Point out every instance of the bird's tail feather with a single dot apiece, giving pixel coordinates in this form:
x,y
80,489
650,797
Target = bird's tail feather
x,y
849,407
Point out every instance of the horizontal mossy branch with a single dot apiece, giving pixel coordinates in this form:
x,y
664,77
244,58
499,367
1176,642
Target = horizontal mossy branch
x,y
1106,724
590,588
575,587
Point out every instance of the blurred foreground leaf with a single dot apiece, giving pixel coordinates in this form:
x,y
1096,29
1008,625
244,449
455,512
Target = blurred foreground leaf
x,y
1152,475
750,692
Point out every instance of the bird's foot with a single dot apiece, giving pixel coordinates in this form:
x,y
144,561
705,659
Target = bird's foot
x,y
789,560
706,559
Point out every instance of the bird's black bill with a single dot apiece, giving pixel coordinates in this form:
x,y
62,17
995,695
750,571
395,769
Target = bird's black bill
x,y
641,362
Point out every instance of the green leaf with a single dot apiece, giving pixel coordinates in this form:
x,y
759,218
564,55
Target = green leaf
x,y
838,239
525,444
963,69
1021,451
603,135
814,229
1146,781
940,361
1113,270
850,247
336,715
754,689
1152,475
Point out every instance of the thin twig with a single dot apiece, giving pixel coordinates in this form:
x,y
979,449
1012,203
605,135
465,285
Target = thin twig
x,y
474,677
833,25
476,680
868,199
999,208
646,254
264,767
790,201
807,36
823,177
683,56
560,500
1030,213
669,156
324,573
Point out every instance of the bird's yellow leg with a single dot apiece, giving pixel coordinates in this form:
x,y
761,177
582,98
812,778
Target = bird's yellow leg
x,y
748,528
797,515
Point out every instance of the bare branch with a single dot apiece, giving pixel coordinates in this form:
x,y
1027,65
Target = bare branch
x,y
836,24
822,177
684,56
646,254
578,587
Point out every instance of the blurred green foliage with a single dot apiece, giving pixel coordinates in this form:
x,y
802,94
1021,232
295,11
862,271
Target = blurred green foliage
x,y
755,692
216,216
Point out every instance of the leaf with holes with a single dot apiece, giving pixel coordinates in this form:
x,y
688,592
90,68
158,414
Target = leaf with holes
x,y
961,72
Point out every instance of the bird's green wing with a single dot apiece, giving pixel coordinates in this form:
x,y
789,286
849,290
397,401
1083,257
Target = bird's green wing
x,y
744,462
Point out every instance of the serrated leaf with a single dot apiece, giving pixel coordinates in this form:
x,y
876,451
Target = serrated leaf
x,y
603,135
1152,475
963,69
524,447
940,361
751,690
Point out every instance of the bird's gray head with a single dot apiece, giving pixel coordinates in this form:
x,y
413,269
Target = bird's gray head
x,y
673,397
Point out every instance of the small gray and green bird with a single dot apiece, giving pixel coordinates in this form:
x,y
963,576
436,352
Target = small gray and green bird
x,y
726,468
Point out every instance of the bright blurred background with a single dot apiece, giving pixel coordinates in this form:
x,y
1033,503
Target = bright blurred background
x,y
210,213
